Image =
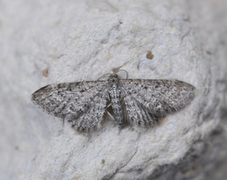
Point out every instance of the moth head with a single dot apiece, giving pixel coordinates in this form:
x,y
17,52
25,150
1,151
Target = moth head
x,y
113,79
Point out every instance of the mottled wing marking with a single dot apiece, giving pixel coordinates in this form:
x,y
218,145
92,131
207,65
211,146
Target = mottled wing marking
x,y
137,113
155,98
138,101
82,103
93,115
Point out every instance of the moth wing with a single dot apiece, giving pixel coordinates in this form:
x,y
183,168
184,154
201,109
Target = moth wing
x,y
82,103
137,113
159,97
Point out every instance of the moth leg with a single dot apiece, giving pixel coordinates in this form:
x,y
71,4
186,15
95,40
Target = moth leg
x,y
110,115
109,112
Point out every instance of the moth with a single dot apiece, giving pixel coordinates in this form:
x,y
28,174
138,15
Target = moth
x,y
133,101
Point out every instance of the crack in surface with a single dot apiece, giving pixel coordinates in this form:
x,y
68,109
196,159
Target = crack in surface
x,y
111,176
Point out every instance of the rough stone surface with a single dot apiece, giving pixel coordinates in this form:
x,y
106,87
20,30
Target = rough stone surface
x,y
43,42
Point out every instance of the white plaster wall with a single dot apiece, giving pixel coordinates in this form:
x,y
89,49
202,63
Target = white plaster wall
x,y
82,40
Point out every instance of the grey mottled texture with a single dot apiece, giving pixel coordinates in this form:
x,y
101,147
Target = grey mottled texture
x,y
132,100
